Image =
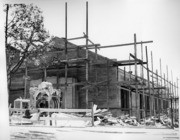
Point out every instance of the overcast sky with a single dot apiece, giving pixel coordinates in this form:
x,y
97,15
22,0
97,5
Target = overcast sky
x,y
116,21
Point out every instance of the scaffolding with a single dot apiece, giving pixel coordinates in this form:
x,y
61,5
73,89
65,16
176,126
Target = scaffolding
x,y
156,88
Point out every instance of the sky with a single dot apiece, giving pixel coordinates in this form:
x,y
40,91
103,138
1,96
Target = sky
x,y
115,22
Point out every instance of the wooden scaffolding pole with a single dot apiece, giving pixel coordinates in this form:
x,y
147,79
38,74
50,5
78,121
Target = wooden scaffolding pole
x,y
153,96
173,105
142,72
66,56
87,55
165,94
107,90
177,98
170,99
168,90
172,112
136,86
148,77
161,107
130,93
158,99
175,109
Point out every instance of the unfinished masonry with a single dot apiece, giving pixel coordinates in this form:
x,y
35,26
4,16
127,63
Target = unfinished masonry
x,y
85,77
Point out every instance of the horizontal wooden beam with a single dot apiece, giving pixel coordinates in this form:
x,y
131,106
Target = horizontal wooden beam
x,y
90,46
65,118
75,38
128,64
152,88
64,110
121,45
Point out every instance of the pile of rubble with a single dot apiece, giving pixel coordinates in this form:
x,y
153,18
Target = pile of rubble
x,y
104,117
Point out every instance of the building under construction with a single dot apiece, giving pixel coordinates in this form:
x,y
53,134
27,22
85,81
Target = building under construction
x,y
84,77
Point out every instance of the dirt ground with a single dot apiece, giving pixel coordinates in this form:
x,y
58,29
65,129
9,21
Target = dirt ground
x,y
91,133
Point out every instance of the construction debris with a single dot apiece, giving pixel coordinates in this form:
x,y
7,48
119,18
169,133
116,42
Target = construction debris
x,y
102,117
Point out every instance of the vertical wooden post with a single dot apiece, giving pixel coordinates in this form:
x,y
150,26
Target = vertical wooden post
x,y
87,55
172,119
4,121
157,80
175,111
92,113
142,71
66,57
136,86
161,107
96,56
148,80
165,93
107,96
168,88
124,73
135,54
25,80
153,96
177,98
130,93
172,92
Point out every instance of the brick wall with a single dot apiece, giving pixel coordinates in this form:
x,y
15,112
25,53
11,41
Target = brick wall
x,y
97,73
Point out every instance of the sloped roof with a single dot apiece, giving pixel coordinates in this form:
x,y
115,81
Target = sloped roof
x,y
59,43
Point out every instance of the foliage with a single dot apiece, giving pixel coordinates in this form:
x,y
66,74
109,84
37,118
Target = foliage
x,y
26,34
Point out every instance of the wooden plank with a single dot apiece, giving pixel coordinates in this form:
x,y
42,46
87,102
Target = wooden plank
x,y
64,118
53,110
63,110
